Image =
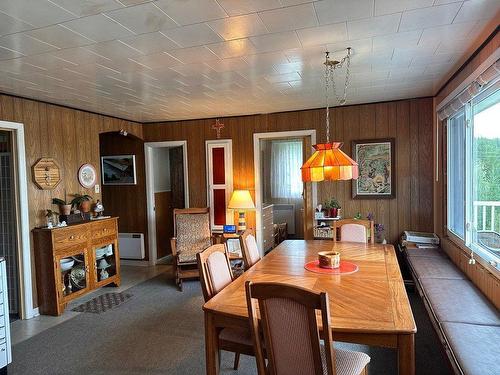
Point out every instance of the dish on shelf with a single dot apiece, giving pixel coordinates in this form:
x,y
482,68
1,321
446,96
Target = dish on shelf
x,y
103,264
77,276
66,264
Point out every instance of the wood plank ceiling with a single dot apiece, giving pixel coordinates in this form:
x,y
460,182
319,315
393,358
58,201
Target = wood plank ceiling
x,y
179,59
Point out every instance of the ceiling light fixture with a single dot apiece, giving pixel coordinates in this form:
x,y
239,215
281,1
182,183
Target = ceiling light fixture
x,y
329,162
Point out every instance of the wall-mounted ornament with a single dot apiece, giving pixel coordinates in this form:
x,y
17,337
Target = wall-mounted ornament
x,y
46,173
218,126
87,176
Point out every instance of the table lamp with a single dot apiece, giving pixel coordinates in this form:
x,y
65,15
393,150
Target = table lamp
x,y
241,201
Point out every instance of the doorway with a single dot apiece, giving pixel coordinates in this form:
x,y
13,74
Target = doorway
x,y
166,190
278,157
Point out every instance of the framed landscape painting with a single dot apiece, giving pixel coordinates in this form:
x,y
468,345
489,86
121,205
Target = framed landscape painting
x,y
376,161
118,170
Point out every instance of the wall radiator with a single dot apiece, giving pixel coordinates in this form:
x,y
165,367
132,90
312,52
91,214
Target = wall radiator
x,y
131,245
284,213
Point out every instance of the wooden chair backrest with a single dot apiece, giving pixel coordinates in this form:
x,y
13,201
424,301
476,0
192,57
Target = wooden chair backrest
x,y
292,340
246,252
205,276
194,210
368,224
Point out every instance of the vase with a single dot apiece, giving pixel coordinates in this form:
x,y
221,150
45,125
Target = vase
x,y
333,212
65,209
85,206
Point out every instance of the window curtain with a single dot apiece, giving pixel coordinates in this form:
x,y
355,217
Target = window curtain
x,y
286,160
490,75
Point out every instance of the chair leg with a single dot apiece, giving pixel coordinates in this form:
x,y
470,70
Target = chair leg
x,y
364,371
180,285
236,361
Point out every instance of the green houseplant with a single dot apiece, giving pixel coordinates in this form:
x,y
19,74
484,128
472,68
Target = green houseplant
x,y
64,206
332,207
82,202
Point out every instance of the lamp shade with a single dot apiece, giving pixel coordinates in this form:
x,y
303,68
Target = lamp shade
x,y
241,200
329,162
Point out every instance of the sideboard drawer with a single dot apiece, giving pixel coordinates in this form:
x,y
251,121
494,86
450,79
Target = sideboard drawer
x,y
103,229
64,238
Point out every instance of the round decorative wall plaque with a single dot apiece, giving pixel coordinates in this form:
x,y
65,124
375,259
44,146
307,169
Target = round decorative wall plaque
x,y
87,176
46,173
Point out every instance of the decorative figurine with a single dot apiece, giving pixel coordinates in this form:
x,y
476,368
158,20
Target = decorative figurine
x,y
99,208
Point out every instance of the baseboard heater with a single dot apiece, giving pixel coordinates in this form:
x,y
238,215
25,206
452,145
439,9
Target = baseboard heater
x,y
131,245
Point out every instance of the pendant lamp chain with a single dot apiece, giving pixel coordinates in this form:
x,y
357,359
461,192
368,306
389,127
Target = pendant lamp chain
x,y
330,66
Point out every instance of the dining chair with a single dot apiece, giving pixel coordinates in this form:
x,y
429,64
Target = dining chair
x,y
249,248
289,331
354,230
215,274
191,235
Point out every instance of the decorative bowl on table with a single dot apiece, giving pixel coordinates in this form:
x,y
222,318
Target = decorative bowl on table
x,y
329,259
66,264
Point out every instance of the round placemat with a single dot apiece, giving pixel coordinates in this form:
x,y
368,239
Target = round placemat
x,y
344,269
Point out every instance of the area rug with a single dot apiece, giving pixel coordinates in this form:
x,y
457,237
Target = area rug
x,y
102,303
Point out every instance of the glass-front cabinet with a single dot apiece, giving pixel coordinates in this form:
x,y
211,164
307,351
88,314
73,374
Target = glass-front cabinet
x,y
73,271
106,262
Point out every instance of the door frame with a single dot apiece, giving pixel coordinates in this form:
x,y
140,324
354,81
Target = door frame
x,y
148,148
23,221
258,188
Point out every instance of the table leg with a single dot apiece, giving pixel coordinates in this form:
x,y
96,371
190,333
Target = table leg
x,y
406,354
211,346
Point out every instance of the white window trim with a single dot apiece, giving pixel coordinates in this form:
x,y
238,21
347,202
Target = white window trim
x,y
227,144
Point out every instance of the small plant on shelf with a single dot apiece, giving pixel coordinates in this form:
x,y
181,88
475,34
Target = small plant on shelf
x,y
332,207
64,206
82,202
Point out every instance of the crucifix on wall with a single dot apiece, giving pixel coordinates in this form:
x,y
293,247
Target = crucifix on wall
x,y
218,126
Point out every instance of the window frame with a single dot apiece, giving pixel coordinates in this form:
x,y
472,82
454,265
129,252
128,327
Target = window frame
x,y
467,242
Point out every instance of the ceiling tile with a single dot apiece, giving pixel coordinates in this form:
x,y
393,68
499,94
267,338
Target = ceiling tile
x,y
9,25
59,36
144,18
233,48
78,55
394,6
238,7
239,27
374,26
7,54
407,38
193,54
428,17
228,65
87,8
291,18
342,10
275,42
99,28
39,13
113,50
151,42
478,10
448,33
186,12
323,34
192,35
283,77
24,44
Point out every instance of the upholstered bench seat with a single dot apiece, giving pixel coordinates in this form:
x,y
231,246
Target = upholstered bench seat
x,y
459,301
424,252
435,267
475,347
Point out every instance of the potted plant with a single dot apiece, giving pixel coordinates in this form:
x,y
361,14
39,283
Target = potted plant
x,y
334,208
379,233
64,206
82,202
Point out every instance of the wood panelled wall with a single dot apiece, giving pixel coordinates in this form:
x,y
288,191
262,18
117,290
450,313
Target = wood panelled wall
x,y
408,121
70,136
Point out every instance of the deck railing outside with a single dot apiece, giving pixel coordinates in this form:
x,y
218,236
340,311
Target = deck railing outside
x,y
487,216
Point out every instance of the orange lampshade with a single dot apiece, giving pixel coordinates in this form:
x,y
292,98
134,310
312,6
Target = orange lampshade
x,y
329,162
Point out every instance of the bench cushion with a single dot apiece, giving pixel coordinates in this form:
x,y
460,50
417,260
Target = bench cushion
x,y
475,347
435,267
424,252
459,301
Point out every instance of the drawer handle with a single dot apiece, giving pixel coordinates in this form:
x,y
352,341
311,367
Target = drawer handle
x,y
71,237
105,230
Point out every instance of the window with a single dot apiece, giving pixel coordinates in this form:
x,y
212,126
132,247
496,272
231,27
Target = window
x,y
286,160
473,174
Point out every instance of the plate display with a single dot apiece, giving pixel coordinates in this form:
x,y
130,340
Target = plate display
x,y
87,176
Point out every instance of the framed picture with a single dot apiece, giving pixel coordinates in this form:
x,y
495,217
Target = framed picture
x,y
376,161
118,170
87,176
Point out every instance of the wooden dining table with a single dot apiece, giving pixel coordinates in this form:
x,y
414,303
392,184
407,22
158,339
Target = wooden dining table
x,y
368,307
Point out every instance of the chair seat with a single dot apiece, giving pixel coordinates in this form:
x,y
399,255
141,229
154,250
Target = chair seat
x,y
347,362
236,335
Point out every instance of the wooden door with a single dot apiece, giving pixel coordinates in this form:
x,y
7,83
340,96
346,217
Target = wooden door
x,y
177,177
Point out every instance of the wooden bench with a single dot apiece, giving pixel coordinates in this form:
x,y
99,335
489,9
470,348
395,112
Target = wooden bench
x,y
467,324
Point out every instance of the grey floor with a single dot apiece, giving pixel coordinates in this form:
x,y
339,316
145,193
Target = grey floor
x,y
160,331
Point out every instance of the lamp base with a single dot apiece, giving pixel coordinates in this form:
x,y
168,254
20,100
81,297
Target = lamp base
x,y
242,224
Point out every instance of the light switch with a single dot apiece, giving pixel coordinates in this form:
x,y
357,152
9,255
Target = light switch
x,y
97,189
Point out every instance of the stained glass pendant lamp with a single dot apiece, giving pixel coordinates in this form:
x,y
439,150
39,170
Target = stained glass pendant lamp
x,y
329,162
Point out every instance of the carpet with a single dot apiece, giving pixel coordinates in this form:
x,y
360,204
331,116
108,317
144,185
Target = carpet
x,y
160,331
102,303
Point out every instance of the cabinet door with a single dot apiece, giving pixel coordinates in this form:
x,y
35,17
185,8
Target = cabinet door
x,y
72,272
106,262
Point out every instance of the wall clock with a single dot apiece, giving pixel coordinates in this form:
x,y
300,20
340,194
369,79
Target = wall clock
x,y
87,176
46,173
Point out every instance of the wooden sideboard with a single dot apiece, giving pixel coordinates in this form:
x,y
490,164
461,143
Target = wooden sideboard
x,y
74,260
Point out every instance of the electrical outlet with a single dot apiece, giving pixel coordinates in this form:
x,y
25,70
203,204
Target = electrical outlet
x,y
97,189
